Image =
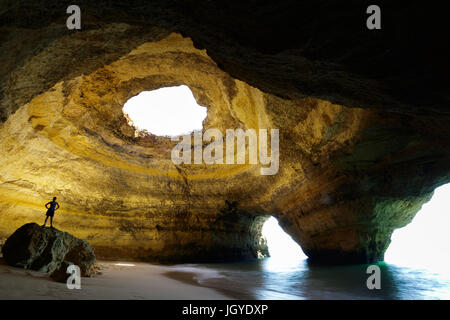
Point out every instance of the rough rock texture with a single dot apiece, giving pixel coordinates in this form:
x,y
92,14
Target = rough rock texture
x,y
60,274
363,118
2,242
44,249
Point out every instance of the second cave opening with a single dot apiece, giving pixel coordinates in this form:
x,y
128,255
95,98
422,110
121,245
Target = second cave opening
x,y
282,248
425,242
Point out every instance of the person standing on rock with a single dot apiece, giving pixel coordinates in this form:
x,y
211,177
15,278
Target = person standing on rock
x,y
51,206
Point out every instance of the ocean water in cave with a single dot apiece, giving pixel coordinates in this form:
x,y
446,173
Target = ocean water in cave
x,y
261,280
416,266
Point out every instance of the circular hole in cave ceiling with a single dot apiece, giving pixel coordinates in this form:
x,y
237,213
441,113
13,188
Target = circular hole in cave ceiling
x,y
169,111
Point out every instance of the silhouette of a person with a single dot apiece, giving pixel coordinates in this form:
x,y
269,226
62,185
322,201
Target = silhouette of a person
x,y
51,206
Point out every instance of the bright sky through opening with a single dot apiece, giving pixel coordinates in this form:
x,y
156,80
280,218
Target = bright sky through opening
x,y
425,242
170,111
281,246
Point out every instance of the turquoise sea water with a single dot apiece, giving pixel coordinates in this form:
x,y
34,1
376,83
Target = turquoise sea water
x,y
417,267
272,279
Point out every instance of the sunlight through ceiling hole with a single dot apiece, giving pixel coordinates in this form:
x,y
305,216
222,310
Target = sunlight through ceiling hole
x,y
170,111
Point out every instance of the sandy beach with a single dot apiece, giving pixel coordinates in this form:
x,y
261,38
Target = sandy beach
x,y
134,280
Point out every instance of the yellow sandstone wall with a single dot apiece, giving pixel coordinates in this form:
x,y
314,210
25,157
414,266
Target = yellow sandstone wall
x,y
343,185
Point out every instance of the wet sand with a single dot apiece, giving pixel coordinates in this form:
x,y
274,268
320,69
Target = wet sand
x,y
192,279
139,281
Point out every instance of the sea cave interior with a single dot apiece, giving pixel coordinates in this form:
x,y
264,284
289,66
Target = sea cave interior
x,y
92,116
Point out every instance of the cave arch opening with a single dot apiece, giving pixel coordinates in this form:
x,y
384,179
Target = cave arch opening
x,y
282,248
167,111
425,242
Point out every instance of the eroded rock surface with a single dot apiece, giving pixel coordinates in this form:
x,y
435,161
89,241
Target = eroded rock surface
x,y
363,126
44,249
60,274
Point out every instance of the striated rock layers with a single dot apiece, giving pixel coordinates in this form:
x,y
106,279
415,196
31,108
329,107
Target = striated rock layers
x,y
47,249
357,158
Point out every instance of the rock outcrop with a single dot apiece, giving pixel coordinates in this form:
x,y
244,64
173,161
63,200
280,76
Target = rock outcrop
x,y
47,249
363,119
60,274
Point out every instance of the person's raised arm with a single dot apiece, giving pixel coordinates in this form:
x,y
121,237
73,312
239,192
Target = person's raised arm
x,y
57,204
47,204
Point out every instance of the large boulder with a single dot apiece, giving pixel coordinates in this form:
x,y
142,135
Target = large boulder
x,y
44,249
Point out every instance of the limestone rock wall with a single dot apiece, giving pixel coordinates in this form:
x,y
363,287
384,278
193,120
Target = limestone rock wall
x,y
357,159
